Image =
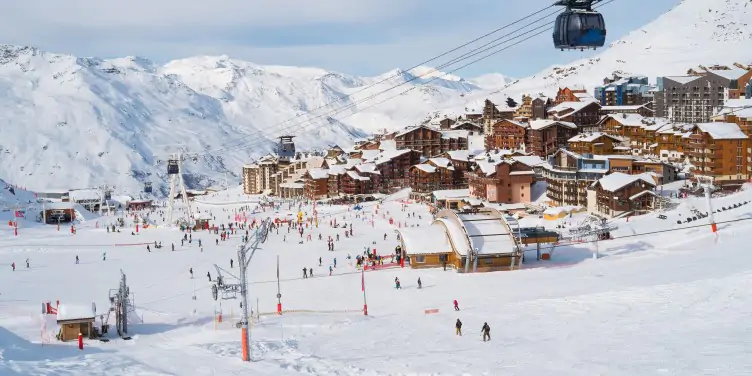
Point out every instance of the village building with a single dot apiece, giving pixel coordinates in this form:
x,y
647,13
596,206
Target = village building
x,y
568,176
540,106
738,111
90,199
595,143
525,109
570,94
720,150
353,184
471,127
393,167
493,113
426,140
506,134
499,180
671,140
644,110
53,213
446,123
461,161
584,114
544,137
257,176
434,174
316,183
620,194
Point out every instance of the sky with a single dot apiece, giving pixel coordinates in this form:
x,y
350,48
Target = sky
x,y
362,37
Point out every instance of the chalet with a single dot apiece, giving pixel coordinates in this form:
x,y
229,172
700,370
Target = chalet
x,y
594,143
584,114
525,109
434,174
461,160
540,107
618,193
446,123
334,182
354,184
544,137
469,126
662,172
492,114
572,94
316,183
393,167
499,180
671,140
422,138
506,134
719,150
453,140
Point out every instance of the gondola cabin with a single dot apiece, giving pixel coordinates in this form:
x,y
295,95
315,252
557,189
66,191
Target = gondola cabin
x,y
579,29
147,188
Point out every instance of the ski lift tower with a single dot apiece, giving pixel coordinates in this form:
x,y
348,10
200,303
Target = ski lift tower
x,y
229,291
706,182
175,171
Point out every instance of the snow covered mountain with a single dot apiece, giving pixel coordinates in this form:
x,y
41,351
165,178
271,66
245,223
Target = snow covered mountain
x,y
77,122
692,33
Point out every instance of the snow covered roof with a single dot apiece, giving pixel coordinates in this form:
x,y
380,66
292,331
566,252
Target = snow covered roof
x,y
627,120
388,155
529,160
463,155
618,180
426,167
455,134
85,194
731,73
461,123
413,128
318,173
59,205
570,108
722,131
388,145
354,175
337,169
545,123
67,312
425,240
292,185
489,235
624,108
451,194
367,168
441,161
591,136
315,162
682,79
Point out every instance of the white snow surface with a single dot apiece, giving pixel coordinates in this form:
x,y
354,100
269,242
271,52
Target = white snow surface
x,y
651,304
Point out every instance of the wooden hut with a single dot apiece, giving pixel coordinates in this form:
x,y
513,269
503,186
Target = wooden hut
x,y
139,204
74,320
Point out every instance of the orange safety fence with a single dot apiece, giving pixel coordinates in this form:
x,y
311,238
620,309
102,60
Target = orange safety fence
x,y
431,311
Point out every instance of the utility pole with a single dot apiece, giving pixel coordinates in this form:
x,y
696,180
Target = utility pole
x,y
175,171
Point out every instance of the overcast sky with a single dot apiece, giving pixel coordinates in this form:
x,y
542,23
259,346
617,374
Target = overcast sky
x,y
363,37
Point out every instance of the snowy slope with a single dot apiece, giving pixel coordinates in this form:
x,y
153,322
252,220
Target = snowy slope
x,y
692,33
649,305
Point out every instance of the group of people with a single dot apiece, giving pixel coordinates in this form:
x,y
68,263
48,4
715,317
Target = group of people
x,y
485,330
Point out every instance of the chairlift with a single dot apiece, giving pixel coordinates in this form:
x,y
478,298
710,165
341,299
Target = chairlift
x,y
579,26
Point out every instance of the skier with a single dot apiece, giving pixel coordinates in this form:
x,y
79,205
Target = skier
x,y
216,241
319,261
231,263
27,263
384,236
310,272
76,259
104,256
456,306
330,270
397,283
335,262
182,242
191,271
173,247
199,242
305,273
208,275
486,330
13,265
147,248
420,284
458,327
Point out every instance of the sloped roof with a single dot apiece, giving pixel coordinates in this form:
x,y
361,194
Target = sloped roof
x,y
571,108
733,73
682,79
722,131
441,161
627,120
367,168
591,136
529,160
318,173
618,180
354,175
315,162
426,167
545,123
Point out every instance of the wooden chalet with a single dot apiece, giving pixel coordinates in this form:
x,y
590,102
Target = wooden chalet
x,y
545,137
422,138
394,166
492,114
595,143
434,174
640,109
719,150
446,123
74,320
139,204
354,184
620,193
584,114
500,180
570,94
316,183
506,134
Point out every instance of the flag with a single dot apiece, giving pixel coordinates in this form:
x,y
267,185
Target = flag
x,y
362,280
19,214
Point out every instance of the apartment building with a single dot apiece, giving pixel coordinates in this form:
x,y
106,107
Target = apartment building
x,y
720,150
624,91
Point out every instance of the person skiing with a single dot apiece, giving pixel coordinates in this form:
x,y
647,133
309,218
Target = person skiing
x,y
397,283
305,273
486,330
191,271
104,256
335,262
76,259
231,263
456,306
458,327
208,275
310,272
27,263
330,270
147,248
420,284
13,265
319,261
173,247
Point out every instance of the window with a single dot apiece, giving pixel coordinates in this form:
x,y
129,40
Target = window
x,y
420,259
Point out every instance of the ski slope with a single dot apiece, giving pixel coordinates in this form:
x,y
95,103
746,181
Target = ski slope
x,y
672,302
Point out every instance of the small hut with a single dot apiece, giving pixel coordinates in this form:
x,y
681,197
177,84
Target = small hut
x,y
74,320
139,204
